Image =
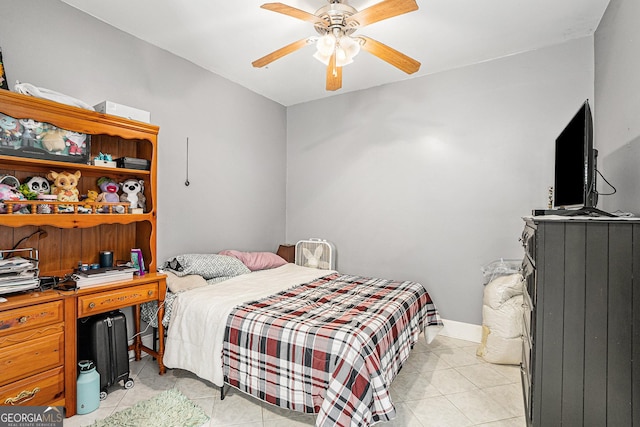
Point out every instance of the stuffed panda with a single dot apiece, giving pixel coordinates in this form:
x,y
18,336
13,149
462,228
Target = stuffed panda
x,y
133,192
37,185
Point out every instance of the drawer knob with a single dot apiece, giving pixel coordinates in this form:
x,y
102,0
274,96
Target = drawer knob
x,y
23,319
92,304
149,292
23,396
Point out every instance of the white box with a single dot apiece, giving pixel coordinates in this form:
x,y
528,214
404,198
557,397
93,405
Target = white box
x,y
131,113
105,163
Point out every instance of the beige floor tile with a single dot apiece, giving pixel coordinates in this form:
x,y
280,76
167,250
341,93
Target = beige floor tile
x,y
483,375
510,396
404,417
424,362
195,388
448,381
511,422
479,406
88,419
236,409
413,386
512,372
456,357
272,412
438,412
289,422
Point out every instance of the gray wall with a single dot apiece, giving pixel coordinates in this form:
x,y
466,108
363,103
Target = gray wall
x,y
237,138
617,113
421,180
428,179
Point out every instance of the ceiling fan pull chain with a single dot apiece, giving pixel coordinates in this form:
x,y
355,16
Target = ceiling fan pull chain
x,y
186,182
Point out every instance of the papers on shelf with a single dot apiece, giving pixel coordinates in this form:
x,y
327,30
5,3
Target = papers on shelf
x,y
85,279
16,264
18,274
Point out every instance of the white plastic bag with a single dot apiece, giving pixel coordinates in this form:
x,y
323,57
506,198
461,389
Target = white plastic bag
x,y
501,267
502,313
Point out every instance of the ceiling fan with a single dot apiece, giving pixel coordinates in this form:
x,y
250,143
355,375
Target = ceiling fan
x,y
336,46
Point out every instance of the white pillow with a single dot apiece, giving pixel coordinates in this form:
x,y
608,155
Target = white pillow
x,y
177,284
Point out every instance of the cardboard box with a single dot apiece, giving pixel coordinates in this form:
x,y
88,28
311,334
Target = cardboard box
x,y
108,107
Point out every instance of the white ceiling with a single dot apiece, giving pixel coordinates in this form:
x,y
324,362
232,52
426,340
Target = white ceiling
x,y
226,36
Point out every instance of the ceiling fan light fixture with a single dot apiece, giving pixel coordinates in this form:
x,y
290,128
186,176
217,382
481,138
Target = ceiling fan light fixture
x,y
326,44
351,47
345,48
322,57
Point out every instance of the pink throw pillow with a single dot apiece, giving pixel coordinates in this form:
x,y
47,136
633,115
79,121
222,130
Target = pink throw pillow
x,y
256,260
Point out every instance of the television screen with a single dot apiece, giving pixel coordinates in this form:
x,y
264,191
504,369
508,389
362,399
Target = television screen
x,y
575,162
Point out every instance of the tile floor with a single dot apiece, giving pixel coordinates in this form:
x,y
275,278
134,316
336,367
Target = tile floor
x,y
442,384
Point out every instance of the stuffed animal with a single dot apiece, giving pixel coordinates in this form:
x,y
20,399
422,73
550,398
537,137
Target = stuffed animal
x,y
53,140
109,193
109,190
65,187
133,192
32,132
8,192
35,186
92,196
76,142
10,131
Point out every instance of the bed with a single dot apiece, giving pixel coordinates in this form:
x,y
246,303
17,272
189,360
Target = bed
x,y
313,341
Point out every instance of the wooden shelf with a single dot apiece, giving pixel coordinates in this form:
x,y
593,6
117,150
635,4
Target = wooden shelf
x,y
36,165
63,220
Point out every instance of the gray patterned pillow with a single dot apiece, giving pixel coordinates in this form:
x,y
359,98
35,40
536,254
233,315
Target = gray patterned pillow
x,y
209,266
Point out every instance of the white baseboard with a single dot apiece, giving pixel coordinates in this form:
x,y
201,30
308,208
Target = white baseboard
x,y
461,330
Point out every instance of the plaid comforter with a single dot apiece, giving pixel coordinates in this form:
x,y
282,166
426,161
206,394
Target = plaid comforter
x,y
330,347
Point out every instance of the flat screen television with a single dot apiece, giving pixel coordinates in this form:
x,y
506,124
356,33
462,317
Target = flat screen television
x,y
575,167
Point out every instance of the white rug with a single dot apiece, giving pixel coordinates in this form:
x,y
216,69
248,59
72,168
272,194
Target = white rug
x,y
170,408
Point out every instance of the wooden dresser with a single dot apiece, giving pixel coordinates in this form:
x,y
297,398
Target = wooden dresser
x,y
35,347
581,361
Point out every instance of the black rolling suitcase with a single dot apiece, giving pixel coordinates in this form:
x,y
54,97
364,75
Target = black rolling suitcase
x,y
103,339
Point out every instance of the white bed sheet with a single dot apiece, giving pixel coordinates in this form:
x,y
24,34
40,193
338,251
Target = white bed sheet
x,y
199,317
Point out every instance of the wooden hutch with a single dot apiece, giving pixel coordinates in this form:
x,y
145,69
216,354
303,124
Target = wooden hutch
x,y
38,328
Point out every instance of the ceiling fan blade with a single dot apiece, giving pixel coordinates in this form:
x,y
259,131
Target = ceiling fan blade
x,y
294,12
334,74
277,54
390,55
383,10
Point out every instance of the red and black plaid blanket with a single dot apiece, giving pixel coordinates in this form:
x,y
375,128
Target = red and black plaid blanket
x,y
330,347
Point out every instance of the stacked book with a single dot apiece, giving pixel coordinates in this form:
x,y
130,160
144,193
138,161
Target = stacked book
x,y
17,273
102,276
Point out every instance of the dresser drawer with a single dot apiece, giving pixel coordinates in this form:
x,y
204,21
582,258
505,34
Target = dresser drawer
x,y
526,357
46,388
526,394
102,302
528,240
20,319
33,356
527,315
